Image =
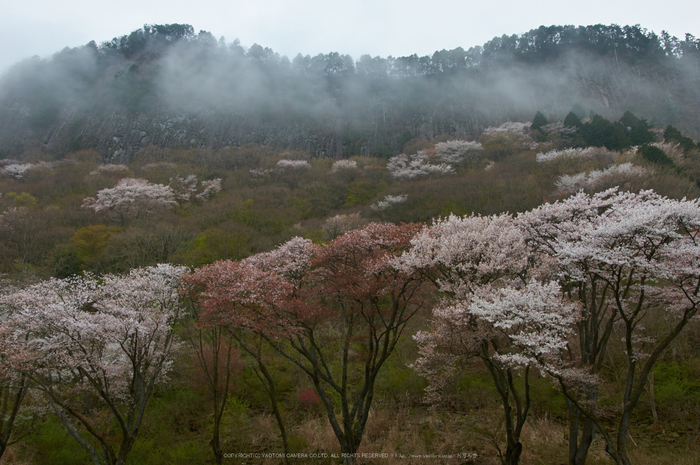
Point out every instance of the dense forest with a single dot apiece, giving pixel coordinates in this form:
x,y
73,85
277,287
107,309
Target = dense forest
x,y
167,86
213,254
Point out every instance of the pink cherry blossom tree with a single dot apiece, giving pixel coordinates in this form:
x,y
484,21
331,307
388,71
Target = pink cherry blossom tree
x,y
623,256
242,298
336,312
360,306
213,346
96,349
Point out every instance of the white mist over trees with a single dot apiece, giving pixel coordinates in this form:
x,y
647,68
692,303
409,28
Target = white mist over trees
x,y
167,86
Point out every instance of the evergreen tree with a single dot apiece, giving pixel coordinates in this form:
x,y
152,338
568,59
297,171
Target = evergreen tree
x,y
672,134
637,129
655,155
572,120
538,121
600,132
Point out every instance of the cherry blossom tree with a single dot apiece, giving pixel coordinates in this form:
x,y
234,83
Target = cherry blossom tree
x,y
598,179
341,165
285,164
336,312
388,201
624,256
241,297
458,151
340,224
590,153
405,167
17,171
510,330
218,359
495,309
362,304
186,187
13,389
509,126
459,253
132,198
209,189
96,349
551,228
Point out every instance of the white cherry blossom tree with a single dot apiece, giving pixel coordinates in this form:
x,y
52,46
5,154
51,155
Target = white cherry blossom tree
x,y
340,224
493,310
285,164
615,175
388,201
623,256
132,198
13,389
458,151
405,167
96,349
341,165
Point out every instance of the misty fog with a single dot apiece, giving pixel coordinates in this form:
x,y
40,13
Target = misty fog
x,y
167,86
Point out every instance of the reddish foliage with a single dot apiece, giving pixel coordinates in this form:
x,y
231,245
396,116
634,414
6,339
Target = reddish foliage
x,y
345,302
307,399
357,266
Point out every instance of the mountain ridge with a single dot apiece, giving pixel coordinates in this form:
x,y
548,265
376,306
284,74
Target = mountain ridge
x,y
165,86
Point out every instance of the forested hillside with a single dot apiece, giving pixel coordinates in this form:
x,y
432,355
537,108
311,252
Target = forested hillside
x,y
169,87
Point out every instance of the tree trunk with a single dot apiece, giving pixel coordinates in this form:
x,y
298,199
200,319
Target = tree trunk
x,y
579,446
220,398
215,443
652,401
125,449
622,435
513,452
574,415
8,419
347,452
589,430
270,388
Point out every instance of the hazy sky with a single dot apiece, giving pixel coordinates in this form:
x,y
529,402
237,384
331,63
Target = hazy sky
x,y
355,27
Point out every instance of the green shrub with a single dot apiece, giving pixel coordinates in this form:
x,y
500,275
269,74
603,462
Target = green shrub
x,y
52,444
675,385
400,383
655,155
